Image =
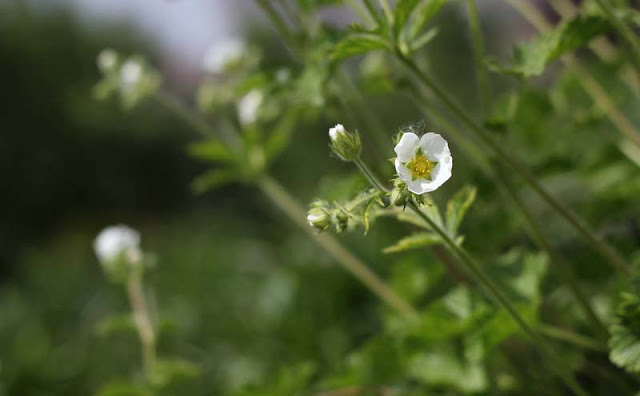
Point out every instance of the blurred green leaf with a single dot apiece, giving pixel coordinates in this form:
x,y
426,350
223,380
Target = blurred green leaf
x,y
624,343
457,207
215,178
170,371
426,11
212,150
358,44
281,135
531,58
115,324
122,388
413,241
402,13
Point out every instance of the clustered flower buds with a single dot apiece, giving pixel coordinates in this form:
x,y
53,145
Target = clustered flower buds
x,y
346,145
323,215
118,250
131,78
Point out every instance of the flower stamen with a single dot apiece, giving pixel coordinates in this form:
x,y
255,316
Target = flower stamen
x,y
420,166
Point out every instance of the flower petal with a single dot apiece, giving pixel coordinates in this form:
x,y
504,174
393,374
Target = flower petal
x,y
434,146
406,147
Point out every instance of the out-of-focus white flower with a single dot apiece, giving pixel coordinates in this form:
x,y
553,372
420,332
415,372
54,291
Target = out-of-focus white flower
x,y
335,131
130,74
423,163
107,60
117,241
319,218
223,55
249,106
283,75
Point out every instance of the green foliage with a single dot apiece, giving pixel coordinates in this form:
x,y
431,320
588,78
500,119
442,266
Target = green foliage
x,y
624,343
531,59
358,43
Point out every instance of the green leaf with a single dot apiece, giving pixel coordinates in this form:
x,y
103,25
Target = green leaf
x,y
212,150
531,58
115,324
402,14
424,39
624,343
424,14
413,241
457,207
169,371
357,44
215,178
281,136
121,388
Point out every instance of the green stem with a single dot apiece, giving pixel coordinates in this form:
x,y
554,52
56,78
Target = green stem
x,y
571,337
142,321
296,213
485,281
388,12
478,49
491,169
603,248
624,30
370,176
285,202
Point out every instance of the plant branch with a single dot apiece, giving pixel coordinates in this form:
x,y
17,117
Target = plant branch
x,y
142,319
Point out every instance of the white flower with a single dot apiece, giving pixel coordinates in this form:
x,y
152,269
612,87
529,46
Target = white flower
x,y
107,60
248,107
223,55
336,131
115,241
424,163
130,75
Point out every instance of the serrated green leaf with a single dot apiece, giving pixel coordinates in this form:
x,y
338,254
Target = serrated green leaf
x,y
402,13
357,44
531,58
413,241
424,39
624,343
212,150
457,207
215,178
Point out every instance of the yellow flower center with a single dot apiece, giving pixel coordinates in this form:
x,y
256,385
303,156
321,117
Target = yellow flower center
x,y
420,166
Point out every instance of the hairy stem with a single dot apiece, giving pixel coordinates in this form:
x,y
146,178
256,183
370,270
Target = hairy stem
x,y
599,245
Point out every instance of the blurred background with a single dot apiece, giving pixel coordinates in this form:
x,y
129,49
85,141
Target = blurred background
x,y
237,288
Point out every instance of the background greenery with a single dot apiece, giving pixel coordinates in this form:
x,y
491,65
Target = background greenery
x,y
238,289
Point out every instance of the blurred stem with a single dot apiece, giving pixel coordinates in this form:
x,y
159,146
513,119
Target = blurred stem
x,y
493,290
571,337
142,319
623,29
370,176
538,236
283,200
602,247
296,213
600,45
388,12
478,49
364,16
590,84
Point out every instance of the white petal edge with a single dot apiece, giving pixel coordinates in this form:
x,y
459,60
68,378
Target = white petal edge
x,y
407,146
434,147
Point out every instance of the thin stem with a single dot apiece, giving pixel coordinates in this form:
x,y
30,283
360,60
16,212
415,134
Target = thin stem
x,y
285,202
590,84
364,16
370,176
296,213
478,49
603,248
485,281
624,30
571,337
538,236
142,320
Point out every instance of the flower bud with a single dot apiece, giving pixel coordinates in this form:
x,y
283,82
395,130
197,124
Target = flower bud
x,y
118,250
107,60
319,218
342,220
346,145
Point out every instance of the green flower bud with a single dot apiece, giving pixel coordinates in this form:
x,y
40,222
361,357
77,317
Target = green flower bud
x,y
346,145
319,218
342,220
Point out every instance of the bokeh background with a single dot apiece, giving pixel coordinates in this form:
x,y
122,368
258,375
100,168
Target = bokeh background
x,y
237,288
